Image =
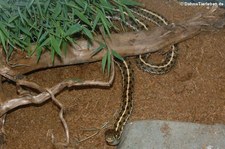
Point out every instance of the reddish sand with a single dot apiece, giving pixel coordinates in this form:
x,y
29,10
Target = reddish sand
x,y
194,91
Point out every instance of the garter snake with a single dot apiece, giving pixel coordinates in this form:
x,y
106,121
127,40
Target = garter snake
x,y
112,136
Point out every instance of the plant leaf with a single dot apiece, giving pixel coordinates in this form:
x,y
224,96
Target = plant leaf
x,y
109,61
55,44
3,41
88,33
115,54
104,60
101,46
73,29
82,17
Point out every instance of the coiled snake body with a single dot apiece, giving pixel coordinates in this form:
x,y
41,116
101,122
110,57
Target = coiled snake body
x,y
112,136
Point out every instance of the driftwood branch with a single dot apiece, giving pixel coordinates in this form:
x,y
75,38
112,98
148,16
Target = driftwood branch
x,y
126,44
46,94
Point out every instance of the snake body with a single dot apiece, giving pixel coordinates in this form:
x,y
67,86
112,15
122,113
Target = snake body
x,y
112,136
171,55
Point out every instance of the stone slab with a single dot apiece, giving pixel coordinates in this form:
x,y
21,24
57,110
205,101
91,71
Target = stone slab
x,y
159,134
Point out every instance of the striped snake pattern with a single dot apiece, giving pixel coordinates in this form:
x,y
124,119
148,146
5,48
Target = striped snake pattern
x,y
112,136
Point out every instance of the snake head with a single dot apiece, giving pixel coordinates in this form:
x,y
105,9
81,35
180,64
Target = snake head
x,y
111,137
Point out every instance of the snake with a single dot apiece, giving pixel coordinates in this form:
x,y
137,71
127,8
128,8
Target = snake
x,y
142,15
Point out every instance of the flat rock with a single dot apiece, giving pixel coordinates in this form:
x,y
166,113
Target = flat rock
x,y
159,134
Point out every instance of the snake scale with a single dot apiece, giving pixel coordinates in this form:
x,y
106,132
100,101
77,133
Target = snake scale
x,y
113,136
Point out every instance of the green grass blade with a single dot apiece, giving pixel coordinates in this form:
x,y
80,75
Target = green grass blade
x,y
108,61
55,44
73,29
104,60
101,47
82,17
88,33
57,10
130,2
115,54
49,24
3,41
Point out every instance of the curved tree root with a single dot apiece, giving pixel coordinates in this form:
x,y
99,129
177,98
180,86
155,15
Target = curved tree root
x,y
126,44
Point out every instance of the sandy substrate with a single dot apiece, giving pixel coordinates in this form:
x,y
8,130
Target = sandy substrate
x,y
194,91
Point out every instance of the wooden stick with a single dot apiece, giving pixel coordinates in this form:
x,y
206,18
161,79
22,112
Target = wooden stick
x,y
126,44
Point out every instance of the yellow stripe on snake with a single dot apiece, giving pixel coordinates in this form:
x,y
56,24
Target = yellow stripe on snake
x,y
113,136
